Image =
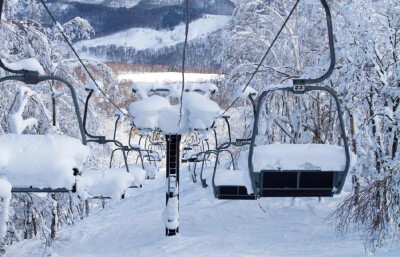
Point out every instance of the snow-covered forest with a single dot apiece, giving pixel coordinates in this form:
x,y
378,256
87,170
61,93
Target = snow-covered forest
x,y
116,206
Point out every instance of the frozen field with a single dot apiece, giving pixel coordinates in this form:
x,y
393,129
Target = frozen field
x,y
209,227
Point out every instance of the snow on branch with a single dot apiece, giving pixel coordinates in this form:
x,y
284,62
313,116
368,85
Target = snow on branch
x,y
16,121
30,64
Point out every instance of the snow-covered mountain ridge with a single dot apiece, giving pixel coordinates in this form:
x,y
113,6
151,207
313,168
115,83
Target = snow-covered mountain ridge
x,y
149,46
131,3
108,17
146,38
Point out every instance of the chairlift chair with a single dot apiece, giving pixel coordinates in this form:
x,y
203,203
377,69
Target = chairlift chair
x,y
33,77
293,183
230,190
225,148
297,183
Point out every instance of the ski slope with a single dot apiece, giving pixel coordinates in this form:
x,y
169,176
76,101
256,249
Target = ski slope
x,y
208,227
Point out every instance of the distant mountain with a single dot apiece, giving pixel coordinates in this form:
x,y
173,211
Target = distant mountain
x,y
147,31
110,16
150,46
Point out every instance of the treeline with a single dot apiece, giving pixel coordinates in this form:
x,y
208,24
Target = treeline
x,y
198,54
122,67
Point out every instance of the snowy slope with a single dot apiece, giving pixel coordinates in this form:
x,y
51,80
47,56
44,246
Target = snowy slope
x,y
133,227
144,38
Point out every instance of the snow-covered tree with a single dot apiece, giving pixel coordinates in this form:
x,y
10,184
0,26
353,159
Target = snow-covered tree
x,y
366,79
24,36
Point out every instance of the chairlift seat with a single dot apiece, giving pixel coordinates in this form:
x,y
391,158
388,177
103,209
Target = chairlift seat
x,y
229,185
297,183
193,157
41,163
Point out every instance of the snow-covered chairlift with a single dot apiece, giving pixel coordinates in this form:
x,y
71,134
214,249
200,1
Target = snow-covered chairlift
x,y
262,181
30,72
228,184
245,93
51,163
303,170
102,139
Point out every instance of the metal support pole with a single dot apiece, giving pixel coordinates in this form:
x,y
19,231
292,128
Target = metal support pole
x,y
173,146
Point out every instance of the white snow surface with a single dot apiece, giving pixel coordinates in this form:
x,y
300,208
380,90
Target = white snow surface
x,y
201,111
107,183
244,92
229,177
121,112
90,85
293,157
41,160
297,157
30,64
138,174
150,169
208,227
146,111
145,38
170,214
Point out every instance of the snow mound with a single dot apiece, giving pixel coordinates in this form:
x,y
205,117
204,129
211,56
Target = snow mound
x,y
146,111
91,85
30,64
243,93
297,157
121,113
201,110
107,183
138,174
156,113
224,177
41,160
150,169
169,120
170,214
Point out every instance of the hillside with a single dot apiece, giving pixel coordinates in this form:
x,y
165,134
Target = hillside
x,y
150,46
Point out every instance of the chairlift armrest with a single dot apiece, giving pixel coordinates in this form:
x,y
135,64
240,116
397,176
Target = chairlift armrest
x,y
242,141
31,77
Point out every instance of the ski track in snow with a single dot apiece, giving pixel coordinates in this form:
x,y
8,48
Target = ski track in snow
x,y
208,227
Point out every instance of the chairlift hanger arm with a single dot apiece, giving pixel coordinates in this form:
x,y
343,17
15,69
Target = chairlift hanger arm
x,y
99,138
116,126
331,51
253,104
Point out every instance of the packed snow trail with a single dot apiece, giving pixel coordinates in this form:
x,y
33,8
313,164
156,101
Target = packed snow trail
x,y
209,227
